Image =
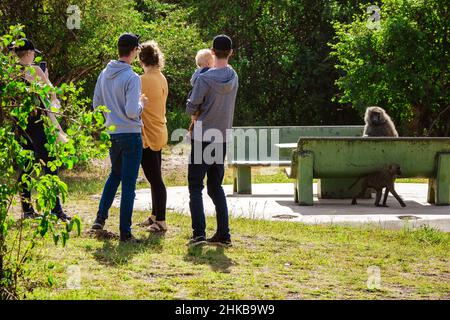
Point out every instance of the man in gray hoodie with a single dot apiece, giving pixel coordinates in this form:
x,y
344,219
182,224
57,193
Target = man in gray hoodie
x,y
214,95
119,88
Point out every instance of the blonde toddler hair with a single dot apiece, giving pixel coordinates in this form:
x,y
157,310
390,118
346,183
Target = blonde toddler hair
x,y
204,58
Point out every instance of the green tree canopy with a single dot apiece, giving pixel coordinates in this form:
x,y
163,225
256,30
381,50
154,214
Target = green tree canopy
x,y
403,67
79,55
287,74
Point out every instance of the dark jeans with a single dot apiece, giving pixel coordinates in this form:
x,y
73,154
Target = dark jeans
x,y
125,154
151,164
36,140
199,167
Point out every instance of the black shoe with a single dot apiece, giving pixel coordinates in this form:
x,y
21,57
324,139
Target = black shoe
x,y
221,241
63,217
99,224
196,241
129,238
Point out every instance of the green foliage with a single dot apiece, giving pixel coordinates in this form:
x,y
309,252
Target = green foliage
x,y
79,55
287,75
17,101
282,58
403,67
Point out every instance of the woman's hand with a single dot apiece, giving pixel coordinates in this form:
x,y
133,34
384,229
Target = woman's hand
x,y
144,100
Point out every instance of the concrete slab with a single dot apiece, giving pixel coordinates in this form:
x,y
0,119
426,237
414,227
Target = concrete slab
x,y
276,202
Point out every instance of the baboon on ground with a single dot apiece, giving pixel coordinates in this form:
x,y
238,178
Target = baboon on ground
x,y
378,123
379,180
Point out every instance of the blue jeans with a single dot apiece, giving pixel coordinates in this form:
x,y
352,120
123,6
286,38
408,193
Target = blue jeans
x,y
125,154
214,170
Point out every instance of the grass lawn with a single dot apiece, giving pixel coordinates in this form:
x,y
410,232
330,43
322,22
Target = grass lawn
x,y
269,260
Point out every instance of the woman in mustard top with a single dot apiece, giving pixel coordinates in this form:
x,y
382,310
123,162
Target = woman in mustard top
x,y
154,131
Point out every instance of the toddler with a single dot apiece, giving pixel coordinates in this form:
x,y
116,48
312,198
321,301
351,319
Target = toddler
x,y
205,61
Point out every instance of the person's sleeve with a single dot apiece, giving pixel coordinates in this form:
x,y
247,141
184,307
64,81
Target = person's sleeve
x,y
98,97
133,105
197,96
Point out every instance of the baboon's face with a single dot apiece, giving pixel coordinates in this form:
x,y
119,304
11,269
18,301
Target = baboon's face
x,y
376,117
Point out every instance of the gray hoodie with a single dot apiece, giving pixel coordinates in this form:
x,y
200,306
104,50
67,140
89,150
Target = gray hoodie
x,y
214,95
198,72
119,88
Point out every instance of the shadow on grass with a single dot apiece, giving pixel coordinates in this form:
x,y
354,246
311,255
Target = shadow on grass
x,y
115,253
215,257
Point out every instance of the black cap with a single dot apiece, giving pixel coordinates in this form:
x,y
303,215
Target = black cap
x,y
222,42
27,45
129,40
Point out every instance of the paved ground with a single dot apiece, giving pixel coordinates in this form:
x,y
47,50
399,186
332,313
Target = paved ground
x,y
276,202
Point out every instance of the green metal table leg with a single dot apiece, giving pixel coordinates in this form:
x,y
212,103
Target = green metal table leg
x,y
243,180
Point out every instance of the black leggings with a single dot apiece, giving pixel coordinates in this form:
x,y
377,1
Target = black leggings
x,y
151,164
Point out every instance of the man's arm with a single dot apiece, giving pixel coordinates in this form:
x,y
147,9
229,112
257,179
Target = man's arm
x,y
133,104
197,97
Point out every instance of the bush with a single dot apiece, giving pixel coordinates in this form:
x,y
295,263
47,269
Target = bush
x,y
286,75
17,101
79,55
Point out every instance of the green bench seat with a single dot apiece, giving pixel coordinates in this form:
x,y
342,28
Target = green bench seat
x,y
348,158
